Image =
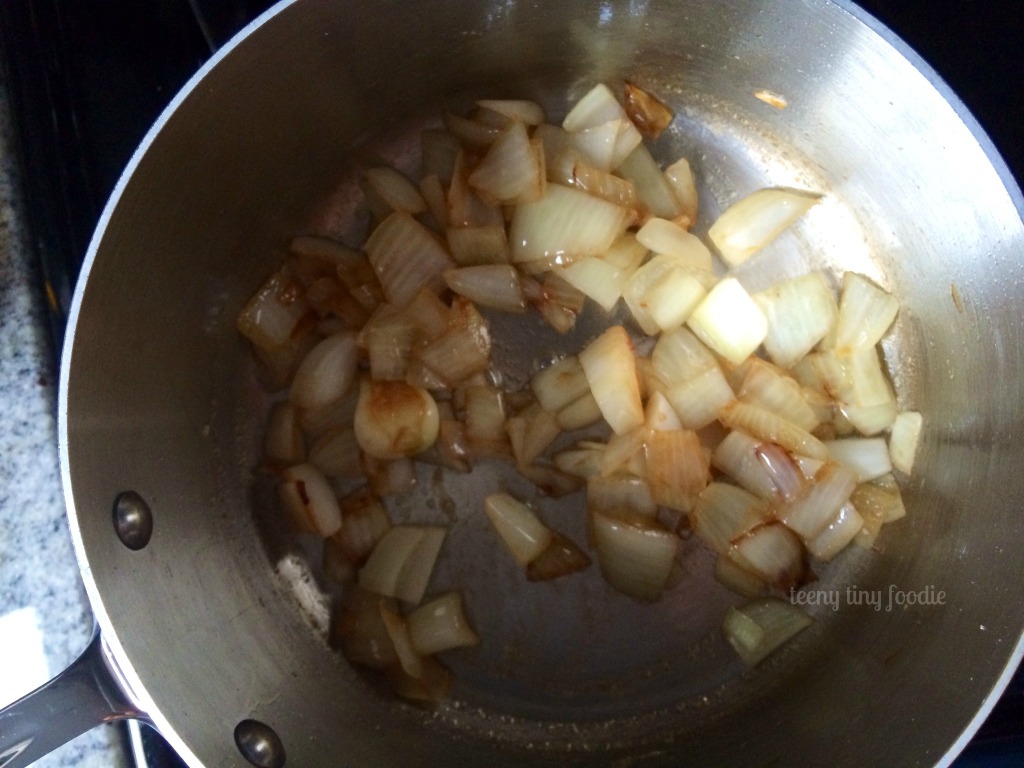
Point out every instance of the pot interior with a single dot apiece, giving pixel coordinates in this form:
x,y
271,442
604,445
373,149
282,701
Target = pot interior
x,y
160,395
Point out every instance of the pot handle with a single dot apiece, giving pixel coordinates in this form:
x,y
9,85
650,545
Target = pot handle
x,y
84,695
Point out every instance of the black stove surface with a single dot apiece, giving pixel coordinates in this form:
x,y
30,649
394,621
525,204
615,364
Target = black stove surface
x,y
87,79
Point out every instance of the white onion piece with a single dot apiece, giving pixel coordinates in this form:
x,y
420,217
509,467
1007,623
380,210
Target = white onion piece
x,y
677,468
667,237
837,534
611,373
608,144
564,223
635,556
769,428
786,475
620,495
652,188
729,321
800,312
472,246
530,432
283,439
626,253
737,579
395,420
316,422
680,356
872,419
336,453
596,107
432,686
488,285
484,418
598,279
751,223
475,134
326,373
663,293
598,183
512,171
767,386
698,401
388,345
522,532
582,461
464,349
879,500
438,150
406,257
359,629
561,558
396,191
659,415
680,177
270,318
550,480
436,200
725,512
440,625
560,384
736,456
810,514
622,447
903,440
868,457
559,155
402,562
364,523
389,478
758,628
868,384
774,554
309,499
865,313
522,110
398,631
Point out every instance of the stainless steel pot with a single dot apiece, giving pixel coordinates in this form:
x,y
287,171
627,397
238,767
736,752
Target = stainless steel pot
x,y
202,637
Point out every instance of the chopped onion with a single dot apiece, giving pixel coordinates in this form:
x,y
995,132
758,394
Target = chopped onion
x,y
667,237
903,440
389,478
309,499
597,278
865,313
698,401
837,534
466,208
810,514
606,145
583,461
359,629
800,312
394,419
561,558
406,257
677,468
596,107
756,629
560,384
648,112
725,512
751,223
522,532
550,481
512,171
440,625
635,555
663,293
476,135
597,182
316,422
489,285
389,342
868,457
464,349
472,246
433,684
564,223
530,432
680,177
437,202
283,439
769,428
680,356
768,387
611,373
395,191
398,631
736,456
774,554
485,421
729,321
786,475
620,495
326,373
438,150
401,563
272,315
652,188
364,523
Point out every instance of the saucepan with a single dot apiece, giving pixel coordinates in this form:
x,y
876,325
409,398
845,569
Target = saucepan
x,y
203,636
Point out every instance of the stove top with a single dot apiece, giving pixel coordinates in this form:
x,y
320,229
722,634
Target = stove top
x,y
86,80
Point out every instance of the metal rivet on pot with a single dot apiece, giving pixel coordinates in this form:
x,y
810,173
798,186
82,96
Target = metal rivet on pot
x,y
259,744
133,520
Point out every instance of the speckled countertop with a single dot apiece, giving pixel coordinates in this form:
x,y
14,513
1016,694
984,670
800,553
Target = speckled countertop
x,y
45,620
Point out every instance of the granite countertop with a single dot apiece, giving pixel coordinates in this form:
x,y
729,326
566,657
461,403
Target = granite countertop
x,y
45,621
